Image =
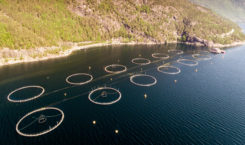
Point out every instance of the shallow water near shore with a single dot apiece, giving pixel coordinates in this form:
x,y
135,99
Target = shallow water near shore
x,y
204,104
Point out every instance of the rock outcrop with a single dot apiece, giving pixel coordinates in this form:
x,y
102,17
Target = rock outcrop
x,y
198,41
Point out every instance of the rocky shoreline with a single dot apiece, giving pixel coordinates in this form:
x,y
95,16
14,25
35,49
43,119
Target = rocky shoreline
x,y
201,42
12,59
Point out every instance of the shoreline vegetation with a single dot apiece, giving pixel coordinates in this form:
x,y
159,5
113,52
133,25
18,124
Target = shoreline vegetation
x,y
45,29
54,52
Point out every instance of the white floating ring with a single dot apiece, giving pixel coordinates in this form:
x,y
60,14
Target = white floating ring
x,y
40,122
147,61
204,52
183,61
160,55
79,83
25,100
196,56
175,51
143,75
168,66
115,65
104,95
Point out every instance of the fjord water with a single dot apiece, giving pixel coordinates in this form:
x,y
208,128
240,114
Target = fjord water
x,y
206,104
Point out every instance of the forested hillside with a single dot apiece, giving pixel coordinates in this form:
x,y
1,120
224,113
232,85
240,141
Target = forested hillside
x,y
28,24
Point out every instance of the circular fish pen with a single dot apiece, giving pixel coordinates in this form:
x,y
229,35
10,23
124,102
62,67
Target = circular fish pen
x,y
201,57
141,61
18,93
88,79
160,56
113,68
40,122
167,69
104,96
187,62
186,56
175,51
143,84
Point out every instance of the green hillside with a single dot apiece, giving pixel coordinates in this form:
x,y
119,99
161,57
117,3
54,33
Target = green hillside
x,y
232,9
28,24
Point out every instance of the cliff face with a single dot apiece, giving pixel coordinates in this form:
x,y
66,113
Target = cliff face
x,y
34,23
158,21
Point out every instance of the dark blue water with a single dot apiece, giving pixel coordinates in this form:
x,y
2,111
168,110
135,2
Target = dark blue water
x,y
206,104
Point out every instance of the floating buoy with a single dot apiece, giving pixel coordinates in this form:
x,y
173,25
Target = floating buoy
x,y
175,81
145,96
116,131
89,67
94,122
65,94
